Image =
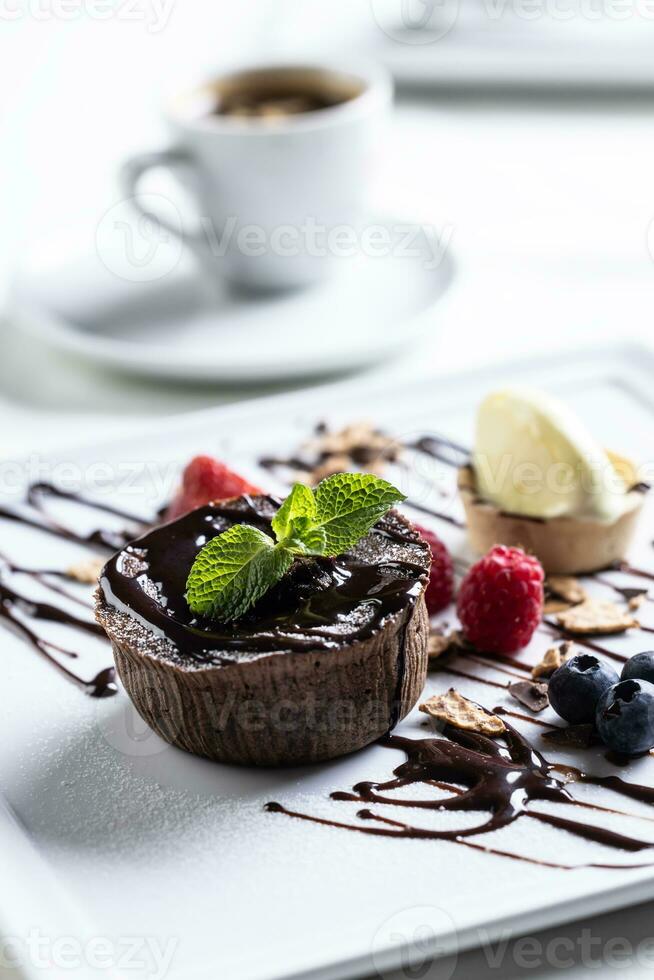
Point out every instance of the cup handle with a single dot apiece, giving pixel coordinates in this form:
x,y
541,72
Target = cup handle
x,y
134,169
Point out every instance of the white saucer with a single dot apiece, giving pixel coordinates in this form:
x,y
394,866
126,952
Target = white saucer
x,y
180,324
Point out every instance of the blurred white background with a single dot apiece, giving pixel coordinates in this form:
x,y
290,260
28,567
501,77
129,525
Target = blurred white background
x,y
530,138
530,141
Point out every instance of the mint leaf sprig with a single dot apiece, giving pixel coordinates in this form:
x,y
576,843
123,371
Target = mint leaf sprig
x,y
236,568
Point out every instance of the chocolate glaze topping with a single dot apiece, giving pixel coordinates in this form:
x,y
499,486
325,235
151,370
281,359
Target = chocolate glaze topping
x,y
321,603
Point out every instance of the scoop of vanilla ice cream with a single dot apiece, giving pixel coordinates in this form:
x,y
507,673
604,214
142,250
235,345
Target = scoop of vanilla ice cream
x,y
533,456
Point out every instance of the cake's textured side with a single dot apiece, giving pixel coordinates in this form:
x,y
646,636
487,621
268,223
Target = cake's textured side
x,y
284,709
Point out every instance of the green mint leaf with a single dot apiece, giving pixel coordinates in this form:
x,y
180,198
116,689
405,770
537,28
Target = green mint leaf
x,y
305,537
348,505
233,570
300,503
237,567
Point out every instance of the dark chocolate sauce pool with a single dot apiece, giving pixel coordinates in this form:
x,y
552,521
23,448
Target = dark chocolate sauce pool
x,y
321,603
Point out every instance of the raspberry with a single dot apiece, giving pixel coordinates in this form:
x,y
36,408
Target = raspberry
x,y
206,479
440,589
500,602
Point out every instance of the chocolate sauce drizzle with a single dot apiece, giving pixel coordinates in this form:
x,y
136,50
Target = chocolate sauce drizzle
x,y
440,515
623,566
444,450
626,593
107,540
438,447
505,712
556,630
500,778
17,609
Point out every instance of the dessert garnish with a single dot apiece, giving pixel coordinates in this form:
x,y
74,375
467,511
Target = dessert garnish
x,y
561,592
440,590
585,690
500,602
554,605
625,717
552,660
565,587
531,694
595,616
361,445
540,480
336,451
453,709
555,466
639,667
328,658
237,567
87,571
205,479
576,687
441,642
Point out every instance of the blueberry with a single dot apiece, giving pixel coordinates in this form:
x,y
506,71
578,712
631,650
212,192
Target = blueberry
x,y
639,668
577,686
625,717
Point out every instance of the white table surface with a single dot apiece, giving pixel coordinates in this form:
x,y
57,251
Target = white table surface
x,y
549,207
621,943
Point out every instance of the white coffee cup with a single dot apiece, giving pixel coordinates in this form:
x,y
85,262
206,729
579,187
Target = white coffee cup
x,y
269,191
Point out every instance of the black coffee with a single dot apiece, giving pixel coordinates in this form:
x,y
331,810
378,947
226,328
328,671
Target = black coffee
x,y
276,93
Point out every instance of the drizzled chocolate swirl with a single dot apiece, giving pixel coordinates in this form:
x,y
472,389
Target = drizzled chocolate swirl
x,y
497,779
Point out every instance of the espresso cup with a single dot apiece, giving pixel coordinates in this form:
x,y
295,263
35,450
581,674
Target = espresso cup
x,y
277,160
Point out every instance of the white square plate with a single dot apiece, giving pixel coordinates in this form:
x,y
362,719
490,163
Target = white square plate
x,y
171,861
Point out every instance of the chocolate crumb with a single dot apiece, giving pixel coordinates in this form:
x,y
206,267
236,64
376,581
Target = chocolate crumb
x,y
530,694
